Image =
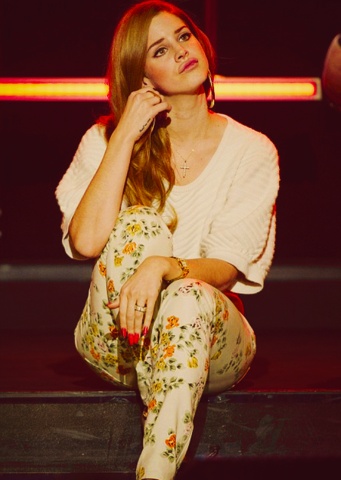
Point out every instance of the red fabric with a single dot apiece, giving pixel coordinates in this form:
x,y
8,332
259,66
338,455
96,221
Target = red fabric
x,y
236,300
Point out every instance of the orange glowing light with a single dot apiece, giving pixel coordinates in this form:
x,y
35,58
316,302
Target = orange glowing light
x,y
50,89
95,89
267,88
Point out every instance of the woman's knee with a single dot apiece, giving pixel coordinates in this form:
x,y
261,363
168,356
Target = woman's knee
x,y
191,291
140,231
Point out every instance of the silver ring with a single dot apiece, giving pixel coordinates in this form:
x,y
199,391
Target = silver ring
x,y
138,308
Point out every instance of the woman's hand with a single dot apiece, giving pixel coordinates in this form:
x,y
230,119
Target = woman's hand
x,y
140,111
138,297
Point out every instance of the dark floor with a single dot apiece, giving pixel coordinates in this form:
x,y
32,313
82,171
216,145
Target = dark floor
x,y
289,360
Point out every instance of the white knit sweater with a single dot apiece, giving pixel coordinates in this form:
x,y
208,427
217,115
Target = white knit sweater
x,y
228,212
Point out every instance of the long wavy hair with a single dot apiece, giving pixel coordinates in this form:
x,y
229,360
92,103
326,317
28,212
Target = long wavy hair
x,y
150,177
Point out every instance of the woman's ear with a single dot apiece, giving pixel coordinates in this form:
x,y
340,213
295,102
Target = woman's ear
x,y
146,82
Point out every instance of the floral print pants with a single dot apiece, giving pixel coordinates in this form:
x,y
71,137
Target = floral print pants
x,y
198,343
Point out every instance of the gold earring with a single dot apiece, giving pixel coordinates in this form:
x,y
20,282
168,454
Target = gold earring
x,y
211,91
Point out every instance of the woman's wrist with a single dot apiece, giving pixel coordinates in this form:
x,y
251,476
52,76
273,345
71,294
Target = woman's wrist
x,y
182,268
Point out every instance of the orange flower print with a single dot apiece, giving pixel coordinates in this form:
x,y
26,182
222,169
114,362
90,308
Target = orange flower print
x,y
214,340
225,315
102,269
129,248
152,404
169,351
114,333
172,322
95,354
171,441
207,365
111,286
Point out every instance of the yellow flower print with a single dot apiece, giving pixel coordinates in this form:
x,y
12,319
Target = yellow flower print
x,y
193,362
171,441
169,351
133,229
111,286
218,325
129,248
134,209
172,322
141,473
248,350
154,351
157,387
110,359
161,365
102,269
216,355
118,261
165,340
95,354
94,329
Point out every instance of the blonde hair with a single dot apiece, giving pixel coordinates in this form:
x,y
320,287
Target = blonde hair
x,y
150,177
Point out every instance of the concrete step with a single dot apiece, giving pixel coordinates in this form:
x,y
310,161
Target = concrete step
x,y
100,433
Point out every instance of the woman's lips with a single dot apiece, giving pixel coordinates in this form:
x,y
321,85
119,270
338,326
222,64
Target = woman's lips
x,y
188,65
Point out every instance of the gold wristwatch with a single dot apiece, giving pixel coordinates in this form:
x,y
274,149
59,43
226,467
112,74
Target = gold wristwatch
x,y
184,269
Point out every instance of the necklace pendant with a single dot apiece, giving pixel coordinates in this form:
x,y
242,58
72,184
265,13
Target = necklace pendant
x,y
184,169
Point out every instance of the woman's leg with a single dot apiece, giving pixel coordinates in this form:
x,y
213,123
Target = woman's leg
x,y
139,232
199,342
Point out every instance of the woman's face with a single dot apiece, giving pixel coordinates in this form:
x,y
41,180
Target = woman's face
x,y
176,62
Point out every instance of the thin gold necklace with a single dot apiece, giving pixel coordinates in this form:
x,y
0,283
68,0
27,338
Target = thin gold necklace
x,y
185,166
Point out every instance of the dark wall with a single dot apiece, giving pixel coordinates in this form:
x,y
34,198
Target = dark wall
x,y
71,38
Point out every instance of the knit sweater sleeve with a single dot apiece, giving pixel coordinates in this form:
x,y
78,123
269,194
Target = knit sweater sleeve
x,y
242,231
75,181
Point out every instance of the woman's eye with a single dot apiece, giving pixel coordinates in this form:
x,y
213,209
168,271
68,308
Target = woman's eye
x,y
185,36
159,52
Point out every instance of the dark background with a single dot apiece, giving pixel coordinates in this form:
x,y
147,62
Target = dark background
x,y
59,38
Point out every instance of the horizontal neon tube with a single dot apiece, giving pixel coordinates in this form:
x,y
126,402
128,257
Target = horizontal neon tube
x,y
267,88
53,89
95,89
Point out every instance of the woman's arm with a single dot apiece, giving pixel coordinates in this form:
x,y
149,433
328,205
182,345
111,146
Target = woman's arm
x,y
98,209
143,287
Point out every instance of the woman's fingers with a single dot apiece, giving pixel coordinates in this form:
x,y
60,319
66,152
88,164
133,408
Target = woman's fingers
x,y
141,110
137,299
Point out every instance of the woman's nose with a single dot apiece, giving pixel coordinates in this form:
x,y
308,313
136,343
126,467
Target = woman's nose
x,y
181,53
